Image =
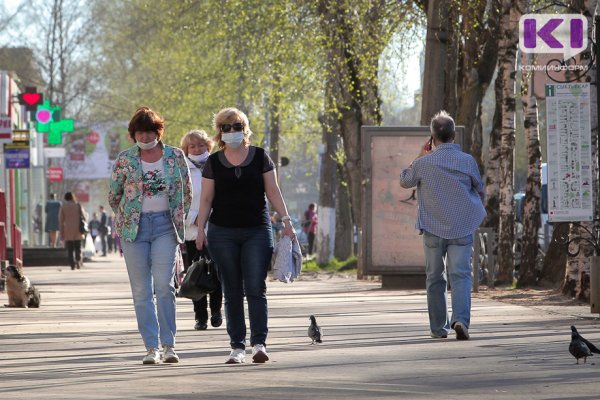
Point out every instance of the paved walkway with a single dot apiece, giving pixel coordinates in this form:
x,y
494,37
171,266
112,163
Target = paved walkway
x,y
83,344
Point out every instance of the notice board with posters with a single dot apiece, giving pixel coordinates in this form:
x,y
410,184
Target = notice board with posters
x,y
570,164
390,243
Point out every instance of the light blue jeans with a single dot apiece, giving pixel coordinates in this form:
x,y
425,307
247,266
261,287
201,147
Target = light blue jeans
x,y
448,257
150,261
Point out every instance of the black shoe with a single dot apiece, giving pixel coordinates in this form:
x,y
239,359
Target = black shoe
x,y
216,320
72,267
200,326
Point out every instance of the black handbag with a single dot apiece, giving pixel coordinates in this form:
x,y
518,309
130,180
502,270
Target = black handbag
x,y
83,225
201,279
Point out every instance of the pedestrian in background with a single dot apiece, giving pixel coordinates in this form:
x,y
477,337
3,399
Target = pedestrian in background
x,y
52,211
94,227
110,238
450,196
310,226
150,194
234,184
103,229
69,218
197,146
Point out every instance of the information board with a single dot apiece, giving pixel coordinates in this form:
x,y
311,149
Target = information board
x,y
17,155
390,243
569,138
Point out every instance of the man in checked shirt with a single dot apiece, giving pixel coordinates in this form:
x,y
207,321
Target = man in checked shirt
x,y
450,196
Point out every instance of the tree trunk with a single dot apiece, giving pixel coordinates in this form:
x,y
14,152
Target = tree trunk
x,y
354,45
326,228
492,179
507,71
344,230
577,274
531,215
435,60
553,271
479,57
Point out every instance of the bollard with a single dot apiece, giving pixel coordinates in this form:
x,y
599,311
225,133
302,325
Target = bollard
x,y
595,284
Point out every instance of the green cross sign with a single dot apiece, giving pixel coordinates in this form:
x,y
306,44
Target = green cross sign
x,y
57,129
48,121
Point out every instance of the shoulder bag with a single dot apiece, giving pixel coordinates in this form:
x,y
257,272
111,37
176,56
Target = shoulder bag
x,y
201,278
83,225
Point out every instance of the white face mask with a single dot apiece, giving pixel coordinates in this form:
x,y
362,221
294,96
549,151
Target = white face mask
x,y
233,139
199,157
147,146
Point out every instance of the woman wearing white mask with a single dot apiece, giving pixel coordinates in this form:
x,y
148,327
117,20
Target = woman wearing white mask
x,y
150,194
234,184
197,146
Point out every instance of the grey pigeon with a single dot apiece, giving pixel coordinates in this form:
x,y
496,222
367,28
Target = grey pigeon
x,y
578,348
590,346
314,331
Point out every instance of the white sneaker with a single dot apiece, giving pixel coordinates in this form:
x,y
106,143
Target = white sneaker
x,y
259,354
152,357
237,356
169,355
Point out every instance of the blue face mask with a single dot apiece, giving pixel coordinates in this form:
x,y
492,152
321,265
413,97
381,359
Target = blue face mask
x,y
147,146
233,139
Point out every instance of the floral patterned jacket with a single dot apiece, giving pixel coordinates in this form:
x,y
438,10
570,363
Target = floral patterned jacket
x,y
125,192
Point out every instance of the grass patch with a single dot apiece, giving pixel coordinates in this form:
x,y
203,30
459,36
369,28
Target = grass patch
x,y
334,265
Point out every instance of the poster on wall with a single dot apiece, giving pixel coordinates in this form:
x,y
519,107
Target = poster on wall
x,y
569,138
92,150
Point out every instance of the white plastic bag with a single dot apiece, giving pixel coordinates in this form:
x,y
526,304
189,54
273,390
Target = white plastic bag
x,y
288,260
88,250
98,244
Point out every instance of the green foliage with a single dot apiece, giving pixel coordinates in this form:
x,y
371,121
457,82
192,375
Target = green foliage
x,y
334,265
190,58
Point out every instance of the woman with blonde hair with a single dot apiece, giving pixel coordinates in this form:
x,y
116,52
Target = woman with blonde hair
x,y
236,182
196,145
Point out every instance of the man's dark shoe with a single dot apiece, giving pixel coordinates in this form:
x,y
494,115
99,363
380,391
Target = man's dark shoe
x,y
462,332
216,319
200,326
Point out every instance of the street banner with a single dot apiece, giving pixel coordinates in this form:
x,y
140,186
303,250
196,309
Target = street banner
x,y
569,138
92,149
17,155
5,129
55,174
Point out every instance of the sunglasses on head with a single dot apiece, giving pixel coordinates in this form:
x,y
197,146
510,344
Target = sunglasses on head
x,y
238,126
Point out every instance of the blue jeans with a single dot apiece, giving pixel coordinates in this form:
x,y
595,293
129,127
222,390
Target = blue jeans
x,y
457,253
243,256
150,261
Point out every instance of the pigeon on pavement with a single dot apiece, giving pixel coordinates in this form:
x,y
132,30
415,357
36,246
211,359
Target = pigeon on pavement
x,y
578,348
590,346
314,331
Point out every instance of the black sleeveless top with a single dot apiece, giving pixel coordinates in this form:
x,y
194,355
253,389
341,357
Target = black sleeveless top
x,y
240,200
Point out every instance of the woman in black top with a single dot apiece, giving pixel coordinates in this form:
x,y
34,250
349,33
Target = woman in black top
x,y
234,184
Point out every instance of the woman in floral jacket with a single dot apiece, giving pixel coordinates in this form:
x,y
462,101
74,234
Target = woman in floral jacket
x,y
150,193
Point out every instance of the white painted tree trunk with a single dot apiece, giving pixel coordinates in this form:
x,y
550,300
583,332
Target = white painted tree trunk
x,y
533,191
512,11
325,240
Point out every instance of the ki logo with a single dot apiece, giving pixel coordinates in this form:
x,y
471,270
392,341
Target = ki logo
x,y
553,33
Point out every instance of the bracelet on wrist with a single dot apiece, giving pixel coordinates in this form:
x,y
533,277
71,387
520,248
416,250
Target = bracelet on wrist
x,y
286,218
